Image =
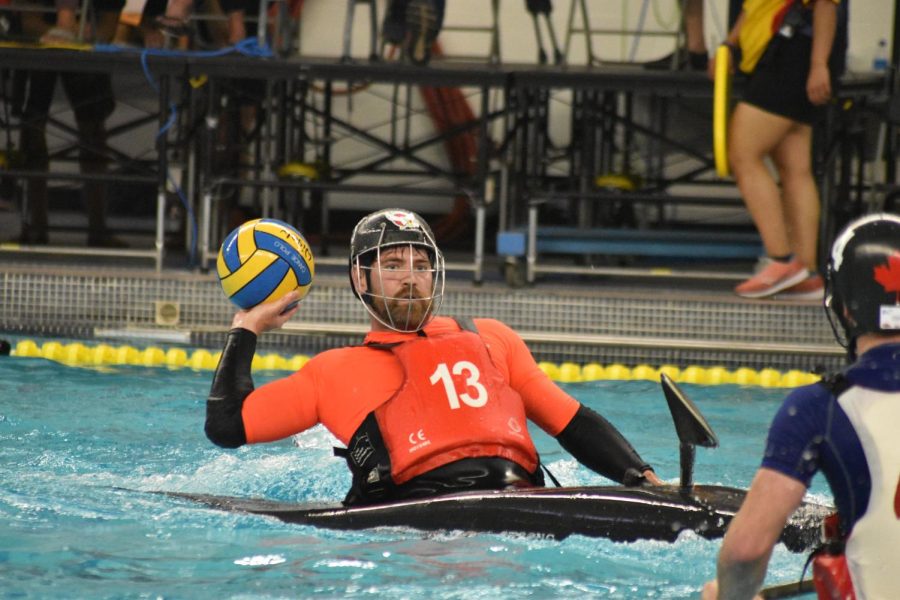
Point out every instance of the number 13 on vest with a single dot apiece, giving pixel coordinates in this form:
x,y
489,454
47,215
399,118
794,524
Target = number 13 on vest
x,y
444,374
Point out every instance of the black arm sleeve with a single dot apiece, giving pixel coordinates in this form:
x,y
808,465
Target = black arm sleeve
x,y
600,447
231,385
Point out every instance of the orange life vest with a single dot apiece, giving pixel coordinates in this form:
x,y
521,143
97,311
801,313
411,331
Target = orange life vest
x,y
453,404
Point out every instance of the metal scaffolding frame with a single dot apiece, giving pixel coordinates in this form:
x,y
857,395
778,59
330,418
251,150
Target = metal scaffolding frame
x,y
298,124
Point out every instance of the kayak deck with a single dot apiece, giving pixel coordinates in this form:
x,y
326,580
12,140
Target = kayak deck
x,y
622,514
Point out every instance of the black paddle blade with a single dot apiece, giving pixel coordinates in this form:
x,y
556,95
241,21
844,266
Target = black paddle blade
x,y
690,424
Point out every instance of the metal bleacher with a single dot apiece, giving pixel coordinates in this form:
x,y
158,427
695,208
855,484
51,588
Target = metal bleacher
x,y
539,195
608,197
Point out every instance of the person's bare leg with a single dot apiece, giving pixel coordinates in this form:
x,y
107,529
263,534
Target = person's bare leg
x,y
107,22
692,53
799,193
693,26
236,29
179,9
65,29
754,134
65,14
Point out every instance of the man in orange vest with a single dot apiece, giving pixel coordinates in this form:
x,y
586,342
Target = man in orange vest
x,y
426,405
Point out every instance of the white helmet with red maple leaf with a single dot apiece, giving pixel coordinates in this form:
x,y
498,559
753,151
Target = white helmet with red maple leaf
x,y
862,286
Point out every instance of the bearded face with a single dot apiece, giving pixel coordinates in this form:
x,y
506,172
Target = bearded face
x,y
399,286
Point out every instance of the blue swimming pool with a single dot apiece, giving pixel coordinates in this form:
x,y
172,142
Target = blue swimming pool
x,y
80,450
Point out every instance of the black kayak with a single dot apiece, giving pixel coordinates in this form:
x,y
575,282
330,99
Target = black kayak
x,y
620,513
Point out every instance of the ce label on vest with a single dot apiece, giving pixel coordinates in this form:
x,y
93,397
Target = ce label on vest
x,y
444,374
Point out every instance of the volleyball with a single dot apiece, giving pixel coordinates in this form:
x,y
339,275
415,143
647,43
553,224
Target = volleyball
x,y
262,260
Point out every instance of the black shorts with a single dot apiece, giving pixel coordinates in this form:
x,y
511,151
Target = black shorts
x,y
778,83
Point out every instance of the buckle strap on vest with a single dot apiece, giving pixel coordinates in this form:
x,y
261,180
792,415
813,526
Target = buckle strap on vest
x,y
466,324
366,455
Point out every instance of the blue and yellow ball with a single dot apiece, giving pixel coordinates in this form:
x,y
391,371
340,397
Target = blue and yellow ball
x,y
262,260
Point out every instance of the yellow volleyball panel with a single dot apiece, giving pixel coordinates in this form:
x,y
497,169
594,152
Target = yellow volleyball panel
x,y
247,272
246,241
288,283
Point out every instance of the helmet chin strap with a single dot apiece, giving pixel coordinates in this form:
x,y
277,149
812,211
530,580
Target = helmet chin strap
x,y
837,317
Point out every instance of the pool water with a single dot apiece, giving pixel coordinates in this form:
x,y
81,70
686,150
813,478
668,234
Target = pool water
x,y
81,450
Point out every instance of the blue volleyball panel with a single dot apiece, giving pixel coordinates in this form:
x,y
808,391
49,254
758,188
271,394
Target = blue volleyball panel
x,y
259,288
230,252
287,251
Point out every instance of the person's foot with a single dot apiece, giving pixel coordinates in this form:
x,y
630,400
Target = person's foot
x,y
773,277
59,35
683,60
422,22
811,288
173,26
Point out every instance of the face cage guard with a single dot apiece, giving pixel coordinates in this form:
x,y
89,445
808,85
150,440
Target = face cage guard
x,y
434,300
834,312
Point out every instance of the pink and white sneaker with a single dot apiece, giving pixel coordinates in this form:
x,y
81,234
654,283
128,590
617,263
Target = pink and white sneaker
x,y
811,288
773,277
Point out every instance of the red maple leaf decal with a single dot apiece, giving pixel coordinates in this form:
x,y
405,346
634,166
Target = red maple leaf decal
x,y
889,275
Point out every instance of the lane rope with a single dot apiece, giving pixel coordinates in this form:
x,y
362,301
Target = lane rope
x,y
104,355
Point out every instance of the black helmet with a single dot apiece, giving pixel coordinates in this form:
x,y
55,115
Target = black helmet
x,y
862,286
393,227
